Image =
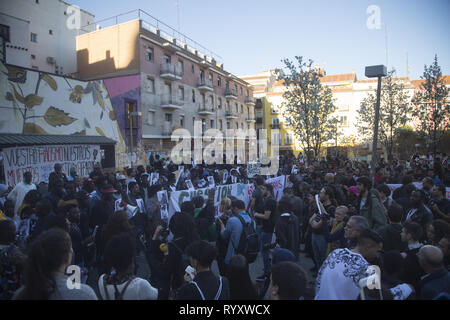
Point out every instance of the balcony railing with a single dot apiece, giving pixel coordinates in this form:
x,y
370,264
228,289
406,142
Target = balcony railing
x,y
204,84
249,100
230,93
205,109
258,104
171,72
230,115
171,102
250,118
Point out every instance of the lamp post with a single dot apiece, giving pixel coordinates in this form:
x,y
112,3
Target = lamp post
x,y
378,71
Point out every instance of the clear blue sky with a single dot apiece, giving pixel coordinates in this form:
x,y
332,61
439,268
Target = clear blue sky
x,y
254,35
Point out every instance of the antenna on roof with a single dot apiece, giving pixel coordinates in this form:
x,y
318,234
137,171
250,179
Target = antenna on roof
x,y
178,18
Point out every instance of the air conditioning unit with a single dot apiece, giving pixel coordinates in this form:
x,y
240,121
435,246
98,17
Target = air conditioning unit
x,y
51,60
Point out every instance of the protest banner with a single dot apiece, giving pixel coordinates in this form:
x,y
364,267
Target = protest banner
x,y
253,169
239,190
40,161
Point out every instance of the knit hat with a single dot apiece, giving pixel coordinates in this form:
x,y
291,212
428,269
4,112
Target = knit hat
x,y
354,189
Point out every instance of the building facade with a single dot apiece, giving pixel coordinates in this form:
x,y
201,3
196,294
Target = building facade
x,y
41,34
177,83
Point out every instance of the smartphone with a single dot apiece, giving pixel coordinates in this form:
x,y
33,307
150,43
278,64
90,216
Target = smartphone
x,y
190,271
318,205
95,231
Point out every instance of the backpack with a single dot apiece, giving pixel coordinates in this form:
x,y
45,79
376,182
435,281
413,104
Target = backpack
x,y
248,242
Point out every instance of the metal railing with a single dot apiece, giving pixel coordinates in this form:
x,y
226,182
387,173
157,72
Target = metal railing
x,y
205,83
168,99
230,92
167,68
154,25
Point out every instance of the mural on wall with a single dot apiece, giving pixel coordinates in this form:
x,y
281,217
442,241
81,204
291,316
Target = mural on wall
x,y
33,102
122,90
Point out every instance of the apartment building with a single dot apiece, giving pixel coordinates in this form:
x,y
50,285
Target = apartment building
x,y
40,34
177,81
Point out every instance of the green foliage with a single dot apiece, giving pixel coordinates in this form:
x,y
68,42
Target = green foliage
x,y
432,109
395,110
308,105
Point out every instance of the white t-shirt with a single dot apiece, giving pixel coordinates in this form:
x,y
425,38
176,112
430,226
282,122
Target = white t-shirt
x,y
18,194
339,276
138,289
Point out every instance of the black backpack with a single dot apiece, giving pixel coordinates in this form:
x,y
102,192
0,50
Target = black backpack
x,y
248,243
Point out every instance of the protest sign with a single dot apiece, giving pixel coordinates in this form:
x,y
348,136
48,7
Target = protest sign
x,y
211,181
40,161
253,169
189,185
163,204
154,178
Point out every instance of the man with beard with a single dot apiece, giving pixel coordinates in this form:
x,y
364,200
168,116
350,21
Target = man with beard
x,y
369,205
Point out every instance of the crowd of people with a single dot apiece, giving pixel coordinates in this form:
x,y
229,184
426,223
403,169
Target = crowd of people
x,y
353,228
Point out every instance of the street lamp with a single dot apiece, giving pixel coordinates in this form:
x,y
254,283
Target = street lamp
x,y
378,71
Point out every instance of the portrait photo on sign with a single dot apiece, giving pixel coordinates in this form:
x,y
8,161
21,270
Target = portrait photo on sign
x,y
163,204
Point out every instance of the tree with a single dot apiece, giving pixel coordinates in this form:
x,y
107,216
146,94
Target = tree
x,y
307,105
431,107
395,111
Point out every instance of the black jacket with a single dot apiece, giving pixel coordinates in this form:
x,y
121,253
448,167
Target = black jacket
x,y
287,233
434,284
208,284
391,237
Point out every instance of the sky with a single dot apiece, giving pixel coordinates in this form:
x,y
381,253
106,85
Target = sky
x,y
340,35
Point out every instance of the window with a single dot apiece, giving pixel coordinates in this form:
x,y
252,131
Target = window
x,y
35,67
181,93
220,125
228,125
343,121
288,138
203,125
4,32
242,108
168,117
149,54
212,124
237,125
203,100
33,37
237,108
211,102
50,31
130,120
150,87
192,68
182,121
193,95
242,126
202,75
166,59
241,91
210,77
193,121
219,82
33,57
151,118
180,66
220,103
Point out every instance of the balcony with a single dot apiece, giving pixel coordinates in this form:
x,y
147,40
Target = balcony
x,y
250,118
230,93
171,102
250,101
205,85
205,110
258,104
259,120
230,115
170,72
